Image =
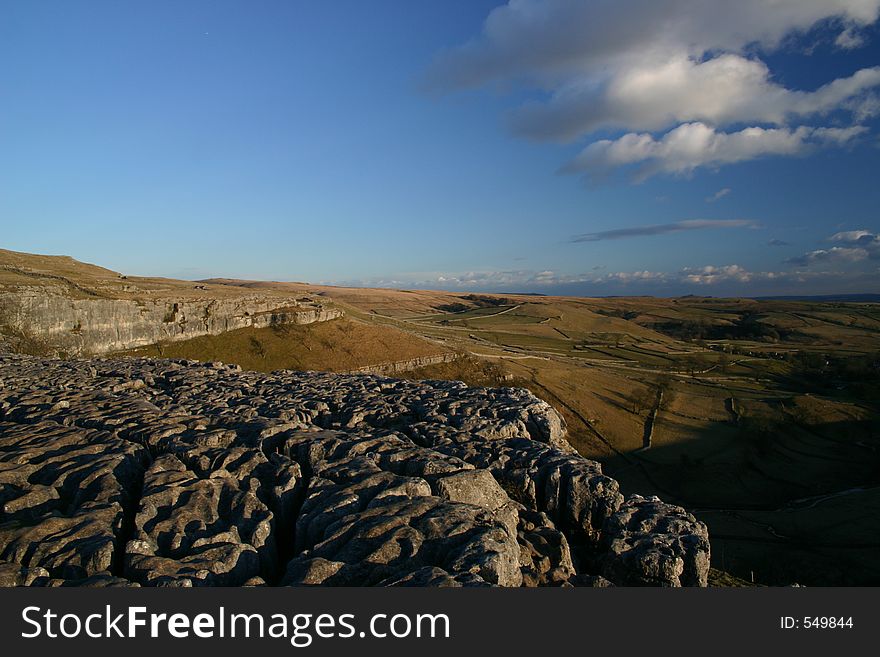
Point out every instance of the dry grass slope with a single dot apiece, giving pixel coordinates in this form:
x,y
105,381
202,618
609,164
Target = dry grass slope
x,y
339,345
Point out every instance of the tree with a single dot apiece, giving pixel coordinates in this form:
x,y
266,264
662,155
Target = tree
x,y
665,390
642,400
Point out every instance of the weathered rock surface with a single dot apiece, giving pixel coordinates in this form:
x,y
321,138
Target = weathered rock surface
x,y
176,473
545,556
208,526
65,491
649,542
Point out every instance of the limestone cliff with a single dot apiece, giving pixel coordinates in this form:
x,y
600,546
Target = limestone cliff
x,y
56,305
95,325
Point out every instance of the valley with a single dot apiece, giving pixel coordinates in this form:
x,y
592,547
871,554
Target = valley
x,y
759,416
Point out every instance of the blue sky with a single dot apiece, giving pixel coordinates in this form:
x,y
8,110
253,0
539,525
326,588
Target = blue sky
x,y
628,147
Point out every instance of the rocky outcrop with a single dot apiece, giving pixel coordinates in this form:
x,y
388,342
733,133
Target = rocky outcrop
x,y
176,473
649,542
94,325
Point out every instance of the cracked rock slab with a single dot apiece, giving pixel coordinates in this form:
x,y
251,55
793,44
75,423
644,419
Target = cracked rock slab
x,y
209,530
179,473
65,492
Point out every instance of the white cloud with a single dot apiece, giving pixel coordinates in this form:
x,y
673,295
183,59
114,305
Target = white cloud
x,y
841,266
710,274
627,277
648,66
720,194
859,245
850,38
721,91
863,107
724,276
693,145
552,40
705,276
861,236
834,254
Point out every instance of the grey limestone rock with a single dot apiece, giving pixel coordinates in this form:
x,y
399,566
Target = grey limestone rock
x,y
65,492
179,473
209,527
98,325
649,542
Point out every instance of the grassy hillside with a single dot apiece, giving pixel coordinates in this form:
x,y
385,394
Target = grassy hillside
x,y
337,346
66,276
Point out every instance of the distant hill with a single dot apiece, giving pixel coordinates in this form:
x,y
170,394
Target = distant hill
x,y
14,262
845,298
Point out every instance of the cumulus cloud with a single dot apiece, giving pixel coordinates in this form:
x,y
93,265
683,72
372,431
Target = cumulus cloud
x,y
662,229
834,254
705,276
712,277
721,193
868,241
694,145
858,245
711,274
777,242
650,66
842,265
627,277
552,39
862,237
721,91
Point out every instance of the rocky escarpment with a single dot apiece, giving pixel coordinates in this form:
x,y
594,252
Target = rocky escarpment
x,y
164,473
52,321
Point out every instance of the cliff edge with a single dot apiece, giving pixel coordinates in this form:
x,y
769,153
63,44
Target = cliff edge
x,y
55,305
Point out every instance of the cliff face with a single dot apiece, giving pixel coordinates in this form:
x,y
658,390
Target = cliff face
x,y
175,473
91,326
